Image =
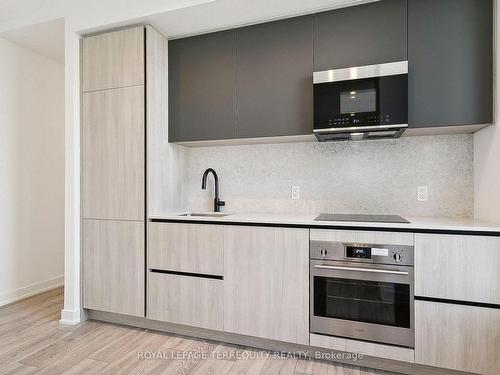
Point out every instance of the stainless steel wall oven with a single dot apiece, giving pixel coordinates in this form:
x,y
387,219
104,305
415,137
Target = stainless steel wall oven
x,y
362,291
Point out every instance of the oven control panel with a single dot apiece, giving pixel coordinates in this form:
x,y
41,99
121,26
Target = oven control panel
x,y
362,252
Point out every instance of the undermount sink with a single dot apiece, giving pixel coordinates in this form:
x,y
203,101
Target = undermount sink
x,y
206,214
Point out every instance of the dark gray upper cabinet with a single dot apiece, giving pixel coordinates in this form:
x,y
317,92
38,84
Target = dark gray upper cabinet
x,y
361,35
202,83
274,78
450,51
256,81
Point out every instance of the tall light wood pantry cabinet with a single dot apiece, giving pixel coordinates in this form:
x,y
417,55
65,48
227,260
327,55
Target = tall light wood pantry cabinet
x,y
120,70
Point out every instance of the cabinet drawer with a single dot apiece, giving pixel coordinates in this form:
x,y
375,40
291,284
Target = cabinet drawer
x,y
458,337
457,267
387,238
192,301
193,248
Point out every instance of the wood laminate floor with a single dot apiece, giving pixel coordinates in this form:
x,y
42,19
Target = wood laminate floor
x,y
32,341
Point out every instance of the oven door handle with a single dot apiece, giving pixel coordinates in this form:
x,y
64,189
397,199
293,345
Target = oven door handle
x,y
374,270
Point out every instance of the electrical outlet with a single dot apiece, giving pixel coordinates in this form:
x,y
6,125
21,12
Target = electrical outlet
x,y
295,192
422,193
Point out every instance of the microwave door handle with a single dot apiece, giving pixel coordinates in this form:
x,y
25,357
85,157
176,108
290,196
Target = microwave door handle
x,y
373,270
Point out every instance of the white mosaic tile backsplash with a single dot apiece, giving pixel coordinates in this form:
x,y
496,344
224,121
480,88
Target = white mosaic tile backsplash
x,y
354,177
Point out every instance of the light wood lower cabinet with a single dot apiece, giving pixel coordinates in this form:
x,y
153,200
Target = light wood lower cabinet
x,y
194,248
266,282
457,267
113,264
186,300
465,338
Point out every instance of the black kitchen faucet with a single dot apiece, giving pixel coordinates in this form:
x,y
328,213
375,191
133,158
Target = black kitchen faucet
x,y
217,202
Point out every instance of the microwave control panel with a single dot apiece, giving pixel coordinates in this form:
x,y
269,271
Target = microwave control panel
x,y
347,121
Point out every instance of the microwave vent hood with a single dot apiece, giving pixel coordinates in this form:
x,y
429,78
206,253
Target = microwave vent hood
x,y
361,103
360,134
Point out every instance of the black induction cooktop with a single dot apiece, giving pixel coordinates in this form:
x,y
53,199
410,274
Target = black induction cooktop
x,y
362,218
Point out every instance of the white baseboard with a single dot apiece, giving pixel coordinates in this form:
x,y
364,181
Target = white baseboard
x,y
30,290
72,317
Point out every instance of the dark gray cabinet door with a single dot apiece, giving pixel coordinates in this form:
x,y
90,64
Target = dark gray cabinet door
x,y
450,62
274,78
361,35
202,83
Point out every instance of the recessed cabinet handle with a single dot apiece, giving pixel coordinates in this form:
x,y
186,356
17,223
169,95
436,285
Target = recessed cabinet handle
x,y
361,269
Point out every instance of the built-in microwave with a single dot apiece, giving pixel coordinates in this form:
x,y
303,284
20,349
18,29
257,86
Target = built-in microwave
x,y
365,102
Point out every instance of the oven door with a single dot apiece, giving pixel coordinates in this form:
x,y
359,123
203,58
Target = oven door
x,y
361,301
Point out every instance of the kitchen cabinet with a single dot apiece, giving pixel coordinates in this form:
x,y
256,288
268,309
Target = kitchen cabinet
x,y
450,56
266,282
360,35
116,104
457,267
113,172
256,81
113,153
113,266
274,78
191,248
458,328
464,338
114,59
202,87
188,300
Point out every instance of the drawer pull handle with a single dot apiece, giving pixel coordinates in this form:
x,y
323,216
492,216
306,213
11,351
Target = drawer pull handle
x,y
189,274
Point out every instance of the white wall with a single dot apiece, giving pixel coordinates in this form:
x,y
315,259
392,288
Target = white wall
x,y
487,152
31,172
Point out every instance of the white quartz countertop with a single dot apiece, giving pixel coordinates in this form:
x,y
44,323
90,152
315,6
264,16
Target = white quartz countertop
x,y
307,220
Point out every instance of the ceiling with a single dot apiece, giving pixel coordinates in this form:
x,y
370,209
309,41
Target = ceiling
x,y
46,39
224,14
